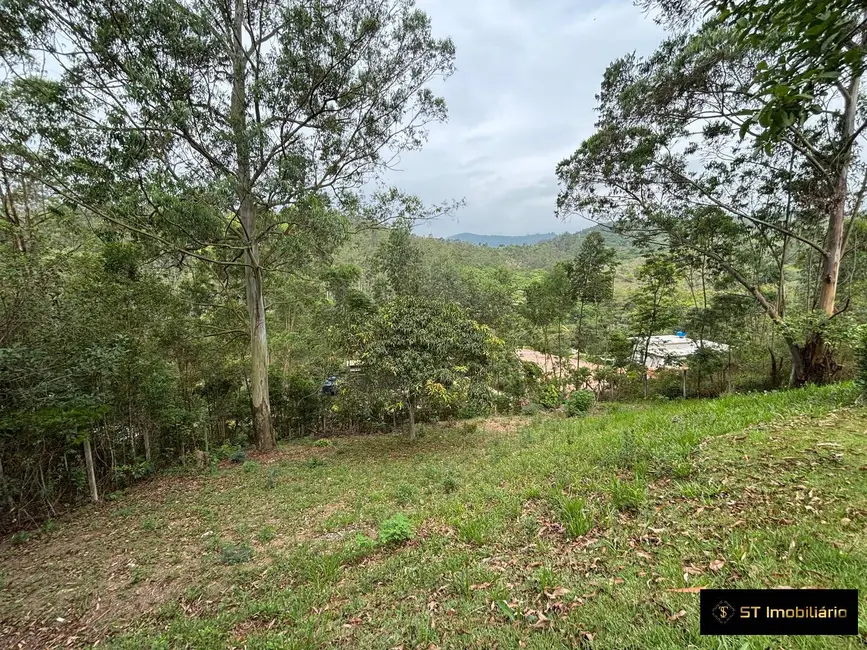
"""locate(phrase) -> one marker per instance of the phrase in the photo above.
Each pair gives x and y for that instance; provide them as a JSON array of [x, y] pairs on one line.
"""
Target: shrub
[[238, 456], [549, 395], [396, 530], [530, 409], [579, 402], [250, 466]]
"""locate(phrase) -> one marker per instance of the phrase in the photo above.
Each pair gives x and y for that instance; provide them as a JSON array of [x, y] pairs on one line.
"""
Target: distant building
[[669, 350]]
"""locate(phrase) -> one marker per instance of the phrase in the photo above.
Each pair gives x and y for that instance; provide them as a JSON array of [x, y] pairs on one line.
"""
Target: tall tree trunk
[[837, 218], [263, 427], [91, 474], [146, 434], [813, 362]]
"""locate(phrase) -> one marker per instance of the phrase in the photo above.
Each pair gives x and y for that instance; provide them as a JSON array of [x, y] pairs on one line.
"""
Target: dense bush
[[549, 395], [579, 402], [396, 530]]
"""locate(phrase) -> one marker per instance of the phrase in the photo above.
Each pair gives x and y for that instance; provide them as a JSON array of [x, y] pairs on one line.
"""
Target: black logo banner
[[779, 611]]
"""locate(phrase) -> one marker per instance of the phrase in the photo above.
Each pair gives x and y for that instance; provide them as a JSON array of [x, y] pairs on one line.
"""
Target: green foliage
[[862, 360], [396, 530], [574, 514], [235, 554], [579, 402], [549, 395], [417, 347], [362, 545], [250, 466], [627, 495], [450, 484]]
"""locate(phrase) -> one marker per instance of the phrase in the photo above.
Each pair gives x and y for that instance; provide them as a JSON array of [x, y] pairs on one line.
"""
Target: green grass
[[549, 533]]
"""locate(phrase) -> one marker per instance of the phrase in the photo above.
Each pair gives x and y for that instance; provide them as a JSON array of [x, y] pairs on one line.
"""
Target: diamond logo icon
[[723, 611]]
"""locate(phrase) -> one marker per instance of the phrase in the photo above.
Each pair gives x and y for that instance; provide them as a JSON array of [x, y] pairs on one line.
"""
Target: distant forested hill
[[447, 255], [501, 240]]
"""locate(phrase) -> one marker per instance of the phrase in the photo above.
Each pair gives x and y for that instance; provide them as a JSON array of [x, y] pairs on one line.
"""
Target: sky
[[521, 100]]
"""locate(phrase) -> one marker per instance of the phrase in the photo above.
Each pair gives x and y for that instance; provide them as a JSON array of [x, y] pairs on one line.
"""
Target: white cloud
[[522, 99]]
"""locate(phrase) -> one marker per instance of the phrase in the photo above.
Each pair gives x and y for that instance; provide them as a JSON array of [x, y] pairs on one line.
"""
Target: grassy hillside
[[543, 533]]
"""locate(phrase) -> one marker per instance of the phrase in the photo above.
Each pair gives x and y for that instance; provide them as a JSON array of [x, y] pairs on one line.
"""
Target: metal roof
[[672, 346]]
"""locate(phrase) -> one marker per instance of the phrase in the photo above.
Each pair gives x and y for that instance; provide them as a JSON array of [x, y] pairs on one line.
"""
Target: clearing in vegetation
[[514, 533]]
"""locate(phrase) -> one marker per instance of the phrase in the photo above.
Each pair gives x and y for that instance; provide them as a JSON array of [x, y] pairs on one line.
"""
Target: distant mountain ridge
[[502, 240]]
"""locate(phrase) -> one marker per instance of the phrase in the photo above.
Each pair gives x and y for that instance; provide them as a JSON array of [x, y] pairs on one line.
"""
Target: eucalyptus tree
[[591, 274], [684, 156], [217, 128]]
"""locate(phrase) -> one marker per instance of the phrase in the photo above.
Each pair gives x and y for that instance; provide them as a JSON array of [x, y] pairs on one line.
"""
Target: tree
[[676, 160], [416, 344], [591, 274], [654, 302], [398, 258], [548, 300], [222, 131]]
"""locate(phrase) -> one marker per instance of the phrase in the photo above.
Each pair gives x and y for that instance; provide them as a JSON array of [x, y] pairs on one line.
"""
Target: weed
[[396, 530], [574, 515], [235, 554], [272, 478], [21, 537], [322, 442], [449, 484], [627, 495], [544, 579], [266, 534], [404, 494], [250, 467], [313, 462], [149, 524], [474, 531]]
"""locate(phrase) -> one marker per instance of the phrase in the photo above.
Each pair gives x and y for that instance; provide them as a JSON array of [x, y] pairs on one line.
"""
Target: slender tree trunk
[[147, 442], [91, 475], [410, 402], [263, 427]]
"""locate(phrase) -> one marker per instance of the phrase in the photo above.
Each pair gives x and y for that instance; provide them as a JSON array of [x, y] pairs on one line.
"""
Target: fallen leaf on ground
[[679, 614], [686, 590]]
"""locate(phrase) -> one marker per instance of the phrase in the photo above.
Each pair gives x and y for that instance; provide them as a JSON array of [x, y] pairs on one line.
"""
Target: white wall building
[[670, 350]]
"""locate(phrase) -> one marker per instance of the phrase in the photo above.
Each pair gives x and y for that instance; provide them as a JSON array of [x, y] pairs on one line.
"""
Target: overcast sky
[[522, 99]]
